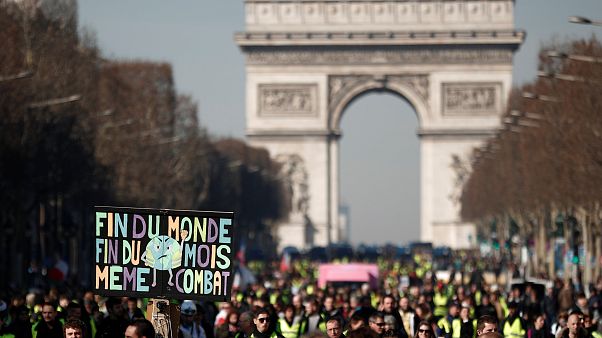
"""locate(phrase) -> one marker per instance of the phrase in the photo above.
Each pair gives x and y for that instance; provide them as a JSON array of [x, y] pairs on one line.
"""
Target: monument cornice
[[403, 38]]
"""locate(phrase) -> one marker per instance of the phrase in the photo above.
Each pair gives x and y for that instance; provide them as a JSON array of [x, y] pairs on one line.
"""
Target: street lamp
[[515, 121], [560, 76], [53, 102], [584, 21], [575, 57], [540, 97], [532, 116]]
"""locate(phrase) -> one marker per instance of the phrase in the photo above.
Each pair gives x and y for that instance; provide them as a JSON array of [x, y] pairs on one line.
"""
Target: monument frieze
[[472, 98], [288, 99], [374, 55]]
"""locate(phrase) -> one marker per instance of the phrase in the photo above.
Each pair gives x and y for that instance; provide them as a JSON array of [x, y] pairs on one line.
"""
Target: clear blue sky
[[196, 37]]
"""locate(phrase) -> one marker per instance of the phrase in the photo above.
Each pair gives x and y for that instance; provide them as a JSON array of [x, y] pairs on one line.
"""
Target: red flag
[[285, 262], [241, 254]]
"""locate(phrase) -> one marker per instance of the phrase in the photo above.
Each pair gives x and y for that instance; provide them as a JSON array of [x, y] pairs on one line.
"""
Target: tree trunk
[[552, 248], [541, 242]]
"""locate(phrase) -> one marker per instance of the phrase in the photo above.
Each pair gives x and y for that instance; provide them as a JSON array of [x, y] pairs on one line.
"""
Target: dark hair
[[362, 332], [389, 296], [73, 306], [246, 316], [431, 333], [49, 304], [375, 315], [75, 324], [337, 319], [486, 319], [144, 328], [112, 302], [261, 310], [356, 317]]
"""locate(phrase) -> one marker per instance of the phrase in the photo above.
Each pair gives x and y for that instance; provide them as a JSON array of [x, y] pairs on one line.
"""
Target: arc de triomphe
[[306, 60]]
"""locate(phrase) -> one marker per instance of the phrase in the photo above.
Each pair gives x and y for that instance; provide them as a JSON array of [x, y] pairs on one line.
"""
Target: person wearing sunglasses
[[425, 330], [262, 325], [376, 322]]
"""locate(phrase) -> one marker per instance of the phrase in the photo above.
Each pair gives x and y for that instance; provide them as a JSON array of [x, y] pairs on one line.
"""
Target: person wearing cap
[[514, 326], [188, 328]]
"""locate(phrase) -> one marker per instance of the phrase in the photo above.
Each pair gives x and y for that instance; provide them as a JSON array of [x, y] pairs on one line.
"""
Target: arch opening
[[379, 168]]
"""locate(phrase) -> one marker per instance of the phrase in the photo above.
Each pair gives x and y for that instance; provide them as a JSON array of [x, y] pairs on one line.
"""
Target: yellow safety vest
[[515, 330], [477, 297], [288, 331], [93, 327], [440, 301], [504, 306], [443, 324], [456, 328], [321, 324]]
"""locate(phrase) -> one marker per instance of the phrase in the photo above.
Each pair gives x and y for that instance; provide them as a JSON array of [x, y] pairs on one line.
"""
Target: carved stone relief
[[461, 169], [317, 56], [288, 99], [340, 85], [294, 174], [472, 98], [419, 83], [373, 12]]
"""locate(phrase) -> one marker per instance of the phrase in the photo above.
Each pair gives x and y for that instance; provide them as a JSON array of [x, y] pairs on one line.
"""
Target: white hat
[[188, 307]]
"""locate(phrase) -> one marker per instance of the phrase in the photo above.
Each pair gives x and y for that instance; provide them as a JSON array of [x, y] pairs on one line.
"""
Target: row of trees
[[541, 175], [80, 130]]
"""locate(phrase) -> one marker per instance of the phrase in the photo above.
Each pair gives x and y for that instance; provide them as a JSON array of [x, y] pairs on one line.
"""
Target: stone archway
[[342, 89], [307, 60]]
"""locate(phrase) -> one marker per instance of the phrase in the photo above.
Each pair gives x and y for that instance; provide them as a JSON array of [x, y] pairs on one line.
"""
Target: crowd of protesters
[[287, 302]]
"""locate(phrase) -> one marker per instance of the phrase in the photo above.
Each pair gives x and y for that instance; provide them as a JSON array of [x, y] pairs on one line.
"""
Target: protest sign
[[163, 253]]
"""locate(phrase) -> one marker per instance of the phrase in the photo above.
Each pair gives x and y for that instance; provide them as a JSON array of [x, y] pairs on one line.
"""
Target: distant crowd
[[287, 302]]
